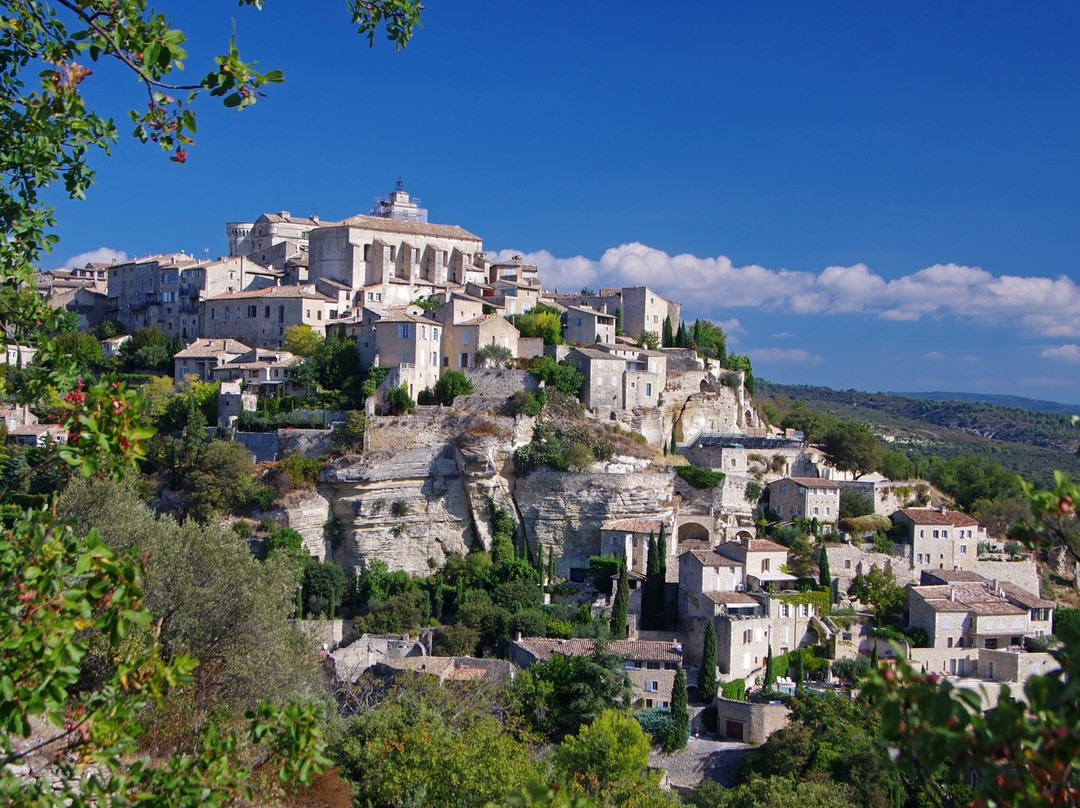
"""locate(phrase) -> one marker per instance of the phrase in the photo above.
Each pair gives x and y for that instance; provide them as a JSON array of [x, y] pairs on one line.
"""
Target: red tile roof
[[934, 516]]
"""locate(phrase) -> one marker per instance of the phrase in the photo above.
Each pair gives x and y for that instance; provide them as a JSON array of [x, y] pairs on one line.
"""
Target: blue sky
[[881, 196]]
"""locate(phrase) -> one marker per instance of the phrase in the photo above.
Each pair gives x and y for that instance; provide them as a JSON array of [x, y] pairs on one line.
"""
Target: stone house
[[408, 340], [644, 377], [288, 233], [641, 308], [807, 497], [965, 616], [650, 664], [461, 340], [939, 538], [582, 325], [202, 356], [603, 387], [629, 539], [16, 415], [260, 368], [259, 317], [38, 434]]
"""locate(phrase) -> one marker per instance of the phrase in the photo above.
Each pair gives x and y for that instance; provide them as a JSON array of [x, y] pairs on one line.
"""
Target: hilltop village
[[606, 456]]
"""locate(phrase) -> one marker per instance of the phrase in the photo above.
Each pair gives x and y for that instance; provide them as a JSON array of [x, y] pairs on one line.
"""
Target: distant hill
[[1013, 402], [1030, 442]]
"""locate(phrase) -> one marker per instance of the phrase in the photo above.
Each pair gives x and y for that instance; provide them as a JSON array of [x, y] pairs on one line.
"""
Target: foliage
[[741, 362], [649, 340], [432, 746], [656, 722], [541, 321], [851, 669], [349, 435], [853, 504], [283, 538], [222, 482], [525, 402], [707, 681], [559, 695], [819, 599], [602, 569], [753, 492], [680, 715], [699, 477], [734, 690], [776, 791], [451, 384], [301, 340], [564, 375], [611, 751], [709, 340], [620, 605], [494, 356], [896, 465], [302, 471], [967, 479], [824, 572], [399, 401], [879, 590], [852, 447], [83, 349], [866, 525], [323, 587]]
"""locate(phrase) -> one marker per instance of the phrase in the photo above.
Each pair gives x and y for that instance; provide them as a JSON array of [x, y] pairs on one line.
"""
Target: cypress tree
[[660, 588], [873, 655], [618, 322], [707, 682], [539, 560], [824, 573], [621, 605], [798, 669], [649, 601], [679, 729], [673, 445], [770, 679], [551, 563], [669, 335]]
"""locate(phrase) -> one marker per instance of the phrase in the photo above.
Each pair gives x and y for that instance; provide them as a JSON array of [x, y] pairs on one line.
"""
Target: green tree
[[621, 604], [563, 375], [668, 334], [707, 681], [679, 730], [283, 538], [618, 322], [301, 340], [323, 587], [349, 435], [494, 356], [84, 349], [897, 466], [399, 401], [776, 792], [610, 751], [853, 504], [541, 321], [879, 590], [769, 680], [222, 482], [973, 477], [852, 447], [648, 339], [824, 573], [451, 384]]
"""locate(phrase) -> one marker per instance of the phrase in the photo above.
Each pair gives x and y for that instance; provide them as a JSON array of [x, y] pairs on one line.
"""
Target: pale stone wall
[[501, 382], [1023, 574], [759, 721]]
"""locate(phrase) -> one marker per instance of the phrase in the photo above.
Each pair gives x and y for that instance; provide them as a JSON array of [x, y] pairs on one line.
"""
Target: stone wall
[[329, 633], [308, 442], [1020, 573], [264, 445], [307, 512], [759, 721], [500, 382]]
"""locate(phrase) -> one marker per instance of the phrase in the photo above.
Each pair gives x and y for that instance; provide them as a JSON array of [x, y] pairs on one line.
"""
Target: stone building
[[259, 317], [261, 369], [461, 340], [602, 389], [393, 259], [582, 325], [202, 356], [940, 539], [629, 539], [411, 342], [806, 497], [640, 308]]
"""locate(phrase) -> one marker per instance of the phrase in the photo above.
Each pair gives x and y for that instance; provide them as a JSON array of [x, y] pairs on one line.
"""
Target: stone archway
[[695, 529]]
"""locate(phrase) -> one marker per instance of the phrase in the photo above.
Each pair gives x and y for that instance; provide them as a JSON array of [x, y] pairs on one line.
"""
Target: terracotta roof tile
[[933, 516]]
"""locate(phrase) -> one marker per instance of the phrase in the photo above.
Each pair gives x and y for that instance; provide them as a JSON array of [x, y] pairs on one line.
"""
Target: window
[[267, 314], [227, 310], [765, 564], [816, 511], [464, 360], [648, 702], [318, 314], [281, 313], [435, 358], [213, 313], [785, 610], [404, 330], [252, 311], [648, 388], [435, 334], [423, 332], [950, 642], [367, 252], [806, 610], [651, 685], [747, 636], [404, 359], [847, 563], [464, 338], [963, 549]]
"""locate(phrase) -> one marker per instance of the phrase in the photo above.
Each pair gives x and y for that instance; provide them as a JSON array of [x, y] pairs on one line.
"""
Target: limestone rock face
[[565, 510], [307, 512]]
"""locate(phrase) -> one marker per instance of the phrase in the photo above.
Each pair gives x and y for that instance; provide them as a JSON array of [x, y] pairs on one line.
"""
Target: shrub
[[263, 498], [301, 471], [579, 457], [452, 384], [399, 508], [699, 477], [283, 538], [399, 401], [753, 491], [602, 568], [734, 690], [851, 669], [656, 722], [527, 403]]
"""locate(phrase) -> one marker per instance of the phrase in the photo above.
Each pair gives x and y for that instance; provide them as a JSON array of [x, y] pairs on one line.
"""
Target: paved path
[[701, 759]]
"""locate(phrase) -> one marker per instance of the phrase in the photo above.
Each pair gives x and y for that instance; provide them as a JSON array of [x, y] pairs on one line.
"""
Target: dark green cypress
[[669, 335], [551, 563], [618, 322], [621, 605], [770, 678], [707, 681], [824, 573], [679, 729]]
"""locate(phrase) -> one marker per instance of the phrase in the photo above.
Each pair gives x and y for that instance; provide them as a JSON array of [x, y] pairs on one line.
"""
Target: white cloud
[[102, 255], [1036, 305], [782, 355], [935, 355], [1067, 353]]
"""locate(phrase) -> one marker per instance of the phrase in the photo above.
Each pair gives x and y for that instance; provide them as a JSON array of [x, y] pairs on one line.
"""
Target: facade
[[629, 539], [259, 368], [602, 390], [806, 497], [583, 325], [203, 356], [412, 343], [259, 317], [38, 434], [269, 234], [463, 339], [940, 539]]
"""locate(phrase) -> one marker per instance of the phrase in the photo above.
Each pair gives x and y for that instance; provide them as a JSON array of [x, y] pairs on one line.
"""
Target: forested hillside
[[1030, 443]]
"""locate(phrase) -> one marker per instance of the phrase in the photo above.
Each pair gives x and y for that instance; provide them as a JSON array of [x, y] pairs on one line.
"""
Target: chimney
[[952, 594]]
